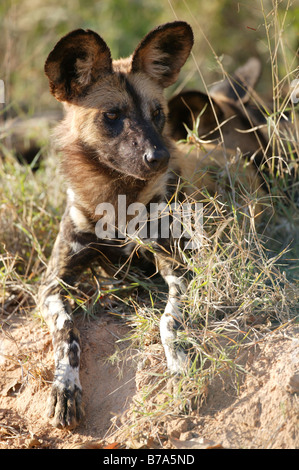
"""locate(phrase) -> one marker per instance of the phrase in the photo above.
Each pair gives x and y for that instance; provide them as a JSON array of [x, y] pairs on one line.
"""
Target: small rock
[[31, 443], [178, 426], [293, 385], [187, 436]]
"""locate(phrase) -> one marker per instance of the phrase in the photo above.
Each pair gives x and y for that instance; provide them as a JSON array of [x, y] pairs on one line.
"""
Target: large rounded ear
[[163, 52], [242, 82], [184, 109], [77, 61]]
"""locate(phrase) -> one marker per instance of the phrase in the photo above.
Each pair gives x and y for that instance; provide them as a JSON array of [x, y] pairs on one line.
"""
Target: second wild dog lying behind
[[115, 143], [229, 113], [233, 112]]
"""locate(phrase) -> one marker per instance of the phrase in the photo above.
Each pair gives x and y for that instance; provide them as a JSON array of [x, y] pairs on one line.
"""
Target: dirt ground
[[264, 414]]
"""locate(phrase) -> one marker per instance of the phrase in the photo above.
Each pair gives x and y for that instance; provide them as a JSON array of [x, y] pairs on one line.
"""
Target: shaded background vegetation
[[239, 285], [226, 31]]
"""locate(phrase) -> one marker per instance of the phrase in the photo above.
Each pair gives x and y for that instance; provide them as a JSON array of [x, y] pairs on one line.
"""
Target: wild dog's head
[[115, 109], [228, 107]]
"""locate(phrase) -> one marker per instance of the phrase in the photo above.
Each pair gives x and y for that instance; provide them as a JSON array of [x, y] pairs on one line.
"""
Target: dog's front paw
[[65, 406], [177, 360]]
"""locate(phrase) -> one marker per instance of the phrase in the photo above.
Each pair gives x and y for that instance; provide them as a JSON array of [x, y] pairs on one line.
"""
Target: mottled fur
[[115, 140], [228, 114]]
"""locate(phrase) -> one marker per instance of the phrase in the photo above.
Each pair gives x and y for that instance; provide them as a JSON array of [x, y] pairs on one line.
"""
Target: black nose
[[157, 159]]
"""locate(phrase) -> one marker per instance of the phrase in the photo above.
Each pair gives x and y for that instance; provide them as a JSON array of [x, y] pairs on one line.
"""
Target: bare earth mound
[[264, 414]]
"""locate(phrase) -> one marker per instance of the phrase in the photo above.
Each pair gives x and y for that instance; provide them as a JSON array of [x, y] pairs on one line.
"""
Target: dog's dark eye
[[157, 114], [111, 116]]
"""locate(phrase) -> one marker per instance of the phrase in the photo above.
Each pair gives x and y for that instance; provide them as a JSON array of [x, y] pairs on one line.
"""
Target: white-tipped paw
[[177, 360], [65, 406]]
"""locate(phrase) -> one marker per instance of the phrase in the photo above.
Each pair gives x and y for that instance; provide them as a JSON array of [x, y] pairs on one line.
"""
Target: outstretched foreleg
[[172, 319], [68, 259]]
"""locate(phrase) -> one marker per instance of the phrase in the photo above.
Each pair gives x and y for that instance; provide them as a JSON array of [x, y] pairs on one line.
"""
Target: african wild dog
[[114, 140], [232, 112], [228, 112]]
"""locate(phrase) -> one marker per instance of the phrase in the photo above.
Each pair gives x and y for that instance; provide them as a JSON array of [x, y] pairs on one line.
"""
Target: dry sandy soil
[[264, 414]]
